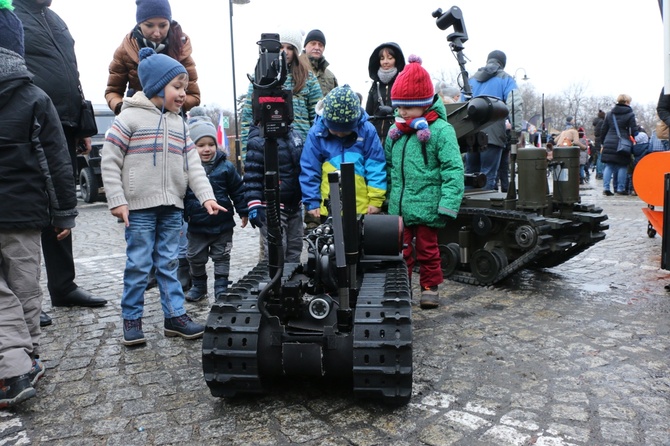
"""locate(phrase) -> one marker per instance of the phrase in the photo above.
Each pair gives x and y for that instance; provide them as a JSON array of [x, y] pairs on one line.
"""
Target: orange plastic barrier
[[648, 179], [655, 219]]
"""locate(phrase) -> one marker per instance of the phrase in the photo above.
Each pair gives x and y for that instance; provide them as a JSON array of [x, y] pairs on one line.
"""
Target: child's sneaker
[[183, 326], [429, 298], [15, 390], [36, 371], [132, 332]]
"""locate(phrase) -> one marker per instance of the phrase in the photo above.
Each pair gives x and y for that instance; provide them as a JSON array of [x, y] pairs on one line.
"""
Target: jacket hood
[[140, 100], [373, 64], [491, 69], [621, 109], [438, 106]]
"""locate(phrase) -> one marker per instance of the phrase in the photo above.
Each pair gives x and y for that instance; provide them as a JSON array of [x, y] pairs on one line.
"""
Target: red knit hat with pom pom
[[413, 86]]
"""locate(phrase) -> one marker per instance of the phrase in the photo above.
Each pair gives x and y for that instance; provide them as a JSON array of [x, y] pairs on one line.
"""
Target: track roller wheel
[[485, 265], [451, 257], [482, 225], [525, 236]]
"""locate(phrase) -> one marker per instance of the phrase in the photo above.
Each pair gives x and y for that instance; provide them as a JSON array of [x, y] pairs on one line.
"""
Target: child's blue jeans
[[152, 239]]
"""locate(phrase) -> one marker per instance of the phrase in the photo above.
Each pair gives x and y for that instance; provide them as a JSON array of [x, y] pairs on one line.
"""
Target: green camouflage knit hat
[[341, 109]]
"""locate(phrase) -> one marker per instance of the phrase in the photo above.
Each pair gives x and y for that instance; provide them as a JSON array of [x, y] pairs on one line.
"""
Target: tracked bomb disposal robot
[[345, 313]]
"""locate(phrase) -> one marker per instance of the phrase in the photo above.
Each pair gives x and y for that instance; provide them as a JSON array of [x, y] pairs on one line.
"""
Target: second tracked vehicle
[[542, 223]]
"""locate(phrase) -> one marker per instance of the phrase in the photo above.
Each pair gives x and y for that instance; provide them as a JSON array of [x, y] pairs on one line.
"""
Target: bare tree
[[645, 116]]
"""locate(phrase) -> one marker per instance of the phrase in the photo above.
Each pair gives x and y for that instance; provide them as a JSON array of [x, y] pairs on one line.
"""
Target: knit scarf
[[386, 76], [416, 125], [144, 42]]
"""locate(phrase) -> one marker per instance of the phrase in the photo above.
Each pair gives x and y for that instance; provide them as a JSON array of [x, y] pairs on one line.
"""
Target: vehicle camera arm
[[445, 20]]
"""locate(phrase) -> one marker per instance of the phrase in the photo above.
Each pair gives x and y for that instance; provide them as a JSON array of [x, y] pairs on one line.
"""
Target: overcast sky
[[610, 47]]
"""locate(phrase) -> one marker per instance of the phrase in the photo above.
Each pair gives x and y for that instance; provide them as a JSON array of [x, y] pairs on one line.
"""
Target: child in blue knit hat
[[342, 134], [148, 161]]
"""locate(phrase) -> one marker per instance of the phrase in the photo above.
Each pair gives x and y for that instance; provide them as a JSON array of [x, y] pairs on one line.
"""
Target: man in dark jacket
[[315, 45], [36, 189], [50, 57]]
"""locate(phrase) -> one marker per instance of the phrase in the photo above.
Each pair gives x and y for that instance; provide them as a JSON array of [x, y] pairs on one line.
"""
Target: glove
[[257, 217]]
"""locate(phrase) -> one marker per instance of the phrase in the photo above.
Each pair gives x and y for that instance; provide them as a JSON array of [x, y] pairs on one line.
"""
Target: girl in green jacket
[[425, 173]]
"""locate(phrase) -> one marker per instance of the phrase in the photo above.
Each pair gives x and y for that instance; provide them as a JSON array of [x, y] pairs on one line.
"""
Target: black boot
[[45, 319], [221, 286], [184, 275], [199, 289]]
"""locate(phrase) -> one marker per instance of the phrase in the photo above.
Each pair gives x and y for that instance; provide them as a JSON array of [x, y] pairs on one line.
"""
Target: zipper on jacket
[[165, 153], [402, 171]]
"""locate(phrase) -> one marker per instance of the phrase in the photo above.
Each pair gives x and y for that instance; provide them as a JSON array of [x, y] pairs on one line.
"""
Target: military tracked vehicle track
[[500, 242]]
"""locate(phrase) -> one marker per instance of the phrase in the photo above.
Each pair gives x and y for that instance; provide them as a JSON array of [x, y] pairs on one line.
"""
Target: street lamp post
[[525, 76], [238, 154]]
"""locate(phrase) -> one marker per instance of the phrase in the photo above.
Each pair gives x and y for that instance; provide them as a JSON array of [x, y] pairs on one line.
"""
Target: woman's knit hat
[[341, 109], [149, 9], [292, 37], [201, 128], [156, 71], [413, 86], [11, 29]]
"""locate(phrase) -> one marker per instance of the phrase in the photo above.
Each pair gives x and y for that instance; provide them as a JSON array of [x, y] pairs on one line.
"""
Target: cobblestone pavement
[[574, 355]]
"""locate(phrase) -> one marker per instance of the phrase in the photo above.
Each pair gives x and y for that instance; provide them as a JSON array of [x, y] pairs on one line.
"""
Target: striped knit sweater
[[148, 159]]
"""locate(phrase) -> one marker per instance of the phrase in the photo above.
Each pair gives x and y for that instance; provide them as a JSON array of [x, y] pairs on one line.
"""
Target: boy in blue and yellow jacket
[[342, 134]]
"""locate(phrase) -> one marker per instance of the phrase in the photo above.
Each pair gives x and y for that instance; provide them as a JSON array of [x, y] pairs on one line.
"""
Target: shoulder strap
[[616, 126]]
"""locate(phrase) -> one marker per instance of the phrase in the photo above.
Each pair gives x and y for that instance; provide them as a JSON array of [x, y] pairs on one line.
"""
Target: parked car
[[90, 176]]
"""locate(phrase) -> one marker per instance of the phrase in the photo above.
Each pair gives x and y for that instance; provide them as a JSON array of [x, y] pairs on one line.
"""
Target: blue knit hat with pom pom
[[11, 29], [341, 109], [413, 86], [156, 71]]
